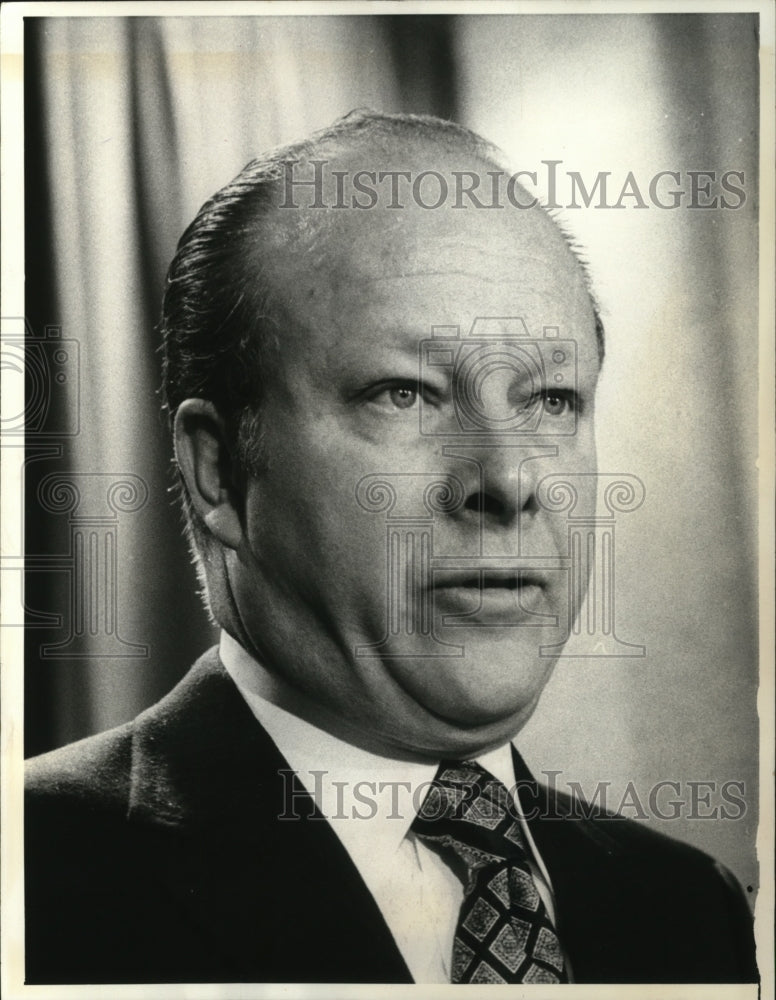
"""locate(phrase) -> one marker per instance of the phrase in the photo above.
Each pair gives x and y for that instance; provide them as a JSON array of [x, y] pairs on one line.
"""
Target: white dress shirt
[[370, 801]]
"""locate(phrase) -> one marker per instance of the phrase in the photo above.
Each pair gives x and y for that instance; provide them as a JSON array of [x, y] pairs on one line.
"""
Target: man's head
[[365, 498]]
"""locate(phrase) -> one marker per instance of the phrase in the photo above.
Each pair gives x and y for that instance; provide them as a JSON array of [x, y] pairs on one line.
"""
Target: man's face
[[399, 569]]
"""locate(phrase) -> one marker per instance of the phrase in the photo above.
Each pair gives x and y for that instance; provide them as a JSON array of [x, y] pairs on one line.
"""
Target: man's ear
[[206, 464]]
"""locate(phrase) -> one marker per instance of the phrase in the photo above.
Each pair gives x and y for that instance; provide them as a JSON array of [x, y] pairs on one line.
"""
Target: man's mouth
[[487, 579], [505, 596]]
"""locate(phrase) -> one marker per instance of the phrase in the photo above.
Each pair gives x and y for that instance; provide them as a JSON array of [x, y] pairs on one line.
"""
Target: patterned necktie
[[504, 934]]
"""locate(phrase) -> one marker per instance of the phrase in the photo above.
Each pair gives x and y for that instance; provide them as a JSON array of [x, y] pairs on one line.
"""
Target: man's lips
[[489, 579], [499, 595]]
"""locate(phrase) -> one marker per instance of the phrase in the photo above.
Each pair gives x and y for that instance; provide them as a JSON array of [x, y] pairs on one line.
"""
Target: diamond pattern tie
[[504, 934]]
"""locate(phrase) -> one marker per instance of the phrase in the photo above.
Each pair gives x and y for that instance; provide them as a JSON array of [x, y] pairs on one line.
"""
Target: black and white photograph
[[387, 454]]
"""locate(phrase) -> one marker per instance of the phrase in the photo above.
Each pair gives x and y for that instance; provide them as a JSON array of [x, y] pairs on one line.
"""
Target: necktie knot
[[471, 812], [462, 785]]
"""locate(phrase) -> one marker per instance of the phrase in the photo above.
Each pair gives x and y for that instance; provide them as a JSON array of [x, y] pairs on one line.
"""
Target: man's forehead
[[323, 252], [371, 306]]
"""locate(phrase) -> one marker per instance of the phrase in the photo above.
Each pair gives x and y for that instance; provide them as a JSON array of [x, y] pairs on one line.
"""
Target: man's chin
[[465, 726], [476, 694], [455, 740]]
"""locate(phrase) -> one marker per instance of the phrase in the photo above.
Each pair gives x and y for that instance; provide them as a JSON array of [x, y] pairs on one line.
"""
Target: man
[[373, 391]]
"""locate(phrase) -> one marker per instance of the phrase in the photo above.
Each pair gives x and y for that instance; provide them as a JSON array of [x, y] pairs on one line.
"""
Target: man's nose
[[501, 485]]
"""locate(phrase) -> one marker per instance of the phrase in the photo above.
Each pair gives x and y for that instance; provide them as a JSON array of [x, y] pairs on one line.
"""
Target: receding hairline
[[363, 131]]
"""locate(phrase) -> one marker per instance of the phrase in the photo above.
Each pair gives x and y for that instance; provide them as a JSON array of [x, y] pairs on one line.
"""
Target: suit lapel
[[274, 899]]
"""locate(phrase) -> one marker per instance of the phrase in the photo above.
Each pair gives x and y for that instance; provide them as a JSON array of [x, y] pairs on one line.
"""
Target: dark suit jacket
[[154, 854]]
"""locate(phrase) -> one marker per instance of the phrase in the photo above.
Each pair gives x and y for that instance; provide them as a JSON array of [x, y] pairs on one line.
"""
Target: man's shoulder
[[656, 894], [93, 772], [96, 773], [640, 846]]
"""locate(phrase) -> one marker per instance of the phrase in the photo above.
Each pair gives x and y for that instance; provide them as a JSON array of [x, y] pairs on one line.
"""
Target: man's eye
[[403, 397], [554, 404]]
